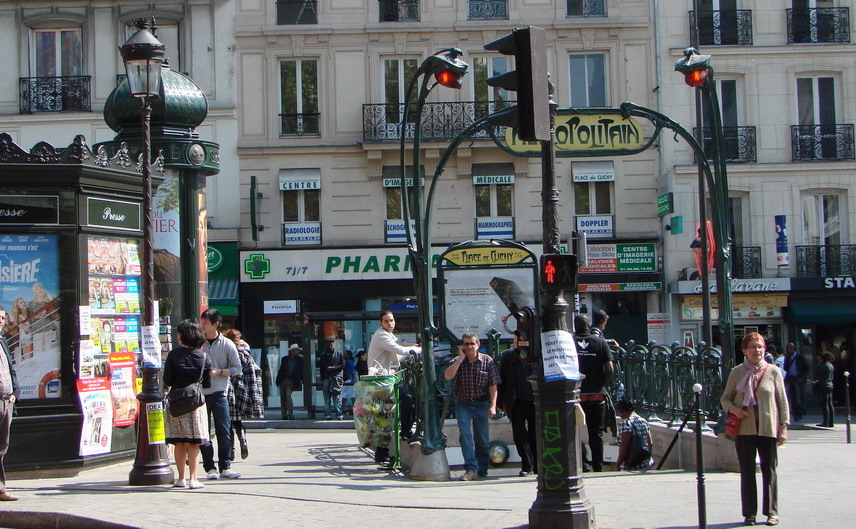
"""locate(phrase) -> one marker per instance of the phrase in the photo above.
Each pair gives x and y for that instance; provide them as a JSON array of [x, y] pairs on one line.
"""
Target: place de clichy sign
[[598, 132]]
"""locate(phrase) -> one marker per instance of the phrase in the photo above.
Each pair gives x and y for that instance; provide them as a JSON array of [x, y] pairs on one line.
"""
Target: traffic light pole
[[561, 500]]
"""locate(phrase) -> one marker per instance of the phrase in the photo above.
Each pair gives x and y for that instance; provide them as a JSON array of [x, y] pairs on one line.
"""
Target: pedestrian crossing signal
[[559, 271]]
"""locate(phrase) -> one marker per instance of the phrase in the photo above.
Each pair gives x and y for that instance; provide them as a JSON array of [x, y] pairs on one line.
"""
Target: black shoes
[[749, 520]]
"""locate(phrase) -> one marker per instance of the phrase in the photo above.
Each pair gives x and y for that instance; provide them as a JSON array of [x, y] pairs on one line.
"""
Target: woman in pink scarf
[[755, 393]]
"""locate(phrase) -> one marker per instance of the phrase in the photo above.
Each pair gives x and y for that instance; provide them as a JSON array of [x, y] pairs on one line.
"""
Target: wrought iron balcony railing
[[289, 12], [399, 10], [822, 142], [586, 8], [55, 94], [739, 143], [488, 10], [746, 263], [818, 25], [826, 261], [724, 27], [440, 121], [299, 124]]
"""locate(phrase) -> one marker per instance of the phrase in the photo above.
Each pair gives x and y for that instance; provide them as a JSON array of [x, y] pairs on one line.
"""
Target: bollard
[[702, 505], [847, 403]]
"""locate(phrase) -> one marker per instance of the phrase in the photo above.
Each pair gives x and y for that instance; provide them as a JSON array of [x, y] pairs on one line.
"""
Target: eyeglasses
[[470, 343]]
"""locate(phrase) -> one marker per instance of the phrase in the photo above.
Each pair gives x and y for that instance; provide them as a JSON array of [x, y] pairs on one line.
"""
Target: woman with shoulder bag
[[755, 394], [185, 366]]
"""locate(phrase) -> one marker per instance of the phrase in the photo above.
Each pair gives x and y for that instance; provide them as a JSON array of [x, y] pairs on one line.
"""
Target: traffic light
[[528, 334], [694, 66], [559, 271], [530, 80]]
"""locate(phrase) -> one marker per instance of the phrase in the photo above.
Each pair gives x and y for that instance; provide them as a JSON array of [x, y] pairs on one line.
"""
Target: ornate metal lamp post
[[143, 55], [448, 70], [698, 73]]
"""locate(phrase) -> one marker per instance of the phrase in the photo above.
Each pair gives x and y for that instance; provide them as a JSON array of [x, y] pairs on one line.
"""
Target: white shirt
[[385, 352]]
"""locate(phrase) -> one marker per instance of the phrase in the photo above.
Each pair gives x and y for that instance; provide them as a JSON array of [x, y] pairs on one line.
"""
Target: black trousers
[[595, 413], [522, 417], [747, 446]]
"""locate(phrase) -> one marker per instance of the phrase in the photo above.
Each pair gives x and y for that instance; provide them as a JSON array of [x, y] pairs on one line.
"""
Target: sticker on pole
[[560, 356], [154, 417]]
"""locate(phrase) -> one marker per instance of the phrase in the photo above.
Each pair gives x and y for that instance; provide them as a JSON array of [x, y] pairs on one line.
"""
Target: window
[[592, 198], [57, 52], [739, 140], [818, 136], [488, 98], [586, 8], [296, 12], [399, 10], [397, 74], [301, 206], [392, 190], [821, 219], [493, 184], [487, 10], [299, 97], [588, 80]]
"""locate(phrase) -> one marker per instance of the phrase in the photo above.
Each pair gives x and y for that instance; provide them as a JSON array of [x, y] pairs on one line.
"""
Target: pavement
[[311, 478]]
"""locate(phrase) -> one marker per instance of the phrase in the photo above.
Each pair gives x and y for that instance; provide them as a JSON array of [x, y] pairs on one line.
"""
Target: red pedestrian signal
[[559, 271]]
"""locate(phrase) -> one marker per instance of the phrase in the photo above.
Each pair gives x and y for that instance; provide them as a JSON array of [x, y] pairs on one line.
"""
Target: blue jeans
[[218, 408], [329, 397], [474, 447]]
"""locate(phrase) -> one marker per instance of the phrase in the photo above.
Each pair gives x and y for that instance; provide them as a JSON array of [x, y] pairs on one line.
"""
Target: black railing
[[826, 261], [822, 142], [299, 124], [739, 143], [746, 263], [399, 10], [818, 25], [724, 27], [55, 94], [586, 8], [440, 121], [289, 12], [487, 10]]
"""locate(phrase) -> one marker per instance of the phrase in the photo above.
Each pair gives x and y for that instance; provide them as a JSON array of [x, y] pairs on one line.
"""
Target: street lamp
[[143, 55], [447, 69]]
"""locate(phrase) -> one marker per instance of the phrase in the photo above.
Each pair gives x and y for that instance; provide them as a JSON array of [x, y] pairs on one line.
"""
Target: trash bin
[[376, 412]]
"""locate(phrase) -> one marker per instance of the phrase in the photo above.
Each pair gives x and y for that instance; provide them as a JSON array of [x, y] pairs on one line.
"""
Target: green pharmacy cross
[[257, 266]]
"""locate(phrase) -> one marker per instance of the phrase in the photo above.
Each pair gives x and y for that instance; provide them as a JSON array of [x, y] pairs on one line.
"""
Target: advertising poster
[[476, 300], [560, 356], [29, 291], [97, 409], [154, 415], [122, 371]]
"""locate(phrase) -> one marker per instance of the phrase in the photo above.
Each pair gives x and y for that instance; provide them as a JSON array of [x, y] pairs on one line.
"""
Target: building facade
[[784, 73]]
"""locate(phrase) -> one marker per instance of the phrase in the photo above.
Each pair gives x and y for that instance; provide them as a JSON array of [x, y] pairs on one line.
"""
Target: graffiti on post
[[551, 449]]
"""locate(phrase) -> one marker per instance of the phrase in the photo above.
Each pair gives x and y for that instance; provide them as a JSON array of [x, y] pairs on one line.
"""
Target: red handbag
[[732, 426]]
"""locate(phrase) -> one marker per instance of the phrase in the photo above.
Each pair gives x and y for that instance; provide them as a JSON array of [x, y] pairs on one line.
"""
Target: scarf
[[746, 386]]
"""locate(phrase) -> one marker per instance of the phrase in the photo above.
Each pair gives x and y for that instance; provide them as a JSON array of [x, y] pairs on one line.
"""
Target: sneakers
[[213, 474], [340, 418], [468, 476], [196, 485], [228, 473], [180, 484]]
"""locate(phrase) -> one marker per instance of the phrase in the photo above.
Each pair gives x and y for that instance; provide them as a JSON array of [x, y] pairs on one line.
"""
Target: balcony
[[826, 261], [299, 124], [440, 121], [586, 8], [746, 262], [54, 94], [487, 10], [724, 27], [399, 10], [290, 12], [822, 142], [818, 25], [739, 143]]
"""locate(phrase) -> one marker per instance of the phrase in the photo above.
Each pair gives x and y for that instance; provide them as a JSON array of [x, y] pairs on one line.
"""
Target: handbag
[[185, 400], [732, 422], [336, 384]]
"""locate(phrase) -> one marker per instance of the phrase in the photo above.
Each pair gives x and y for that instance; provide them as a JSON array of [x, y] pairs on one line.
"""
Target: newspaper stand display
[[376, 412]]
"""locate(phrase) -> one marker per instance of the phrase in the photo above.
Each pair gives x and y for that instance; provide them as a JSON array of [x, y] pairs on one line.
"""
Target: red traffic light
[[448, 78], [559, 271], [696, 77]]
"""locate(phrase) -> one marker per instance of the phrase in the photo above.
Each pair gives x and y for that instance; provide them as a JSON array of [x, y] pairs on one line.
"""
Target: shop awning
[[829, 310], [223, 291]]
